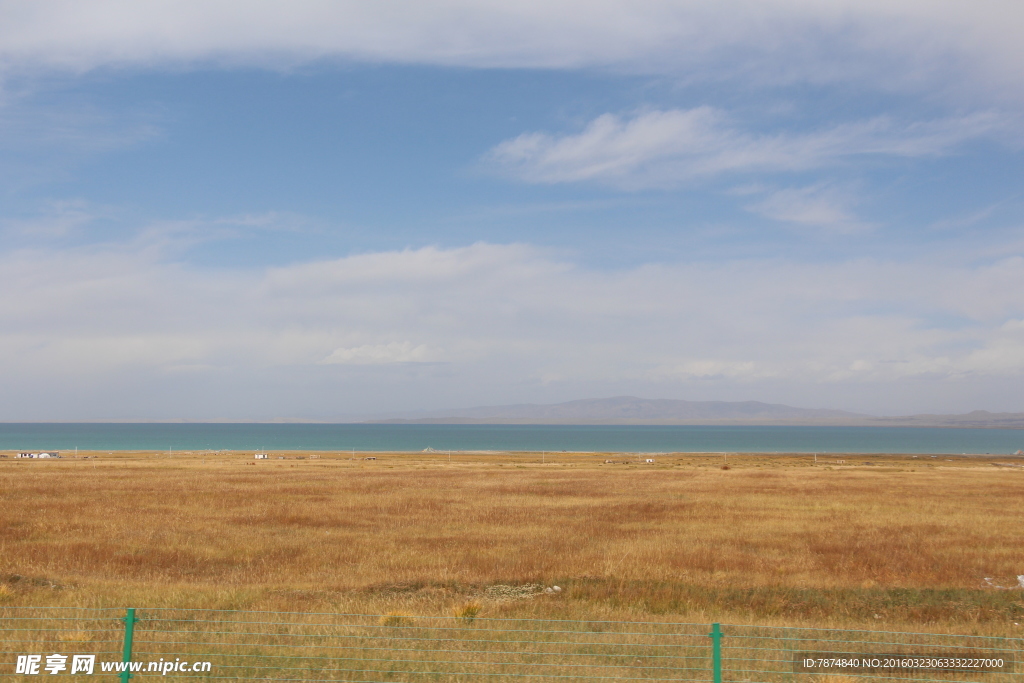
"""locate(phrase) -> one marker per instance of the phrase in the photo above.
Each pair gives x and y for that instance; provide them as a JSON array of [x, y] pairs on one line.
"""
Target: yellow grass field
[[876, 541]]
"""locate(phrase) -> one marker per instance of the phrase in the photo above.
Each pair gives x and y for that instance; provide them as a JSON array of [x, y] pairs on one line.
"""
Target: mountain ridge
[[634, 410]]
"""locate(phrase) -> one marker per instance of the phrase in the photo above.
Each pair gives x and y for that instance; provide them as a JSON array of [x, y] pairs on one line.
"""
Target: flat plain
[[880, 541]]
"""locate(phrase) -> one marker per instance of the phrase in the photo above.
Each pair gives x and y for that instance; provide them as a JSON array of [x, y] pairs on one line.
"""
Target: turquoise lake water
[[377, 437]]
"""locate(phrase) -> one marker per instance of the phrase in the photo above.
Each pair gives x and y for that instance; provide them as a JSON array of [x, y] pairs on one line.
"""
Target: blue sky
[[327, 209]]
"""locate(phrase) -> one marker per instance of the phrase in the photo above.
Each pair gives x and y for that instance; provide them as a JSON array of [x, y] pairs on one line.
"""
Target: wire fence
[[177, 644]]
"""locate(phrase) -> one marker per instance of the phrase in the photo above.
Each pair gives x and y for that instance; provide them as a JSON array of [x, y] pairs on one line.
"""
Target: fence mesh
[[374, 649], [55, 630], [278, 646]]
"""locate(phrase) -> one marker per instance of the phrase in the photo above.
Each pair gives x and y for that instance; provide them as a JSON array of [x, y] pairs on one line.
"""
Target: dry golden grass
[[899, 541]]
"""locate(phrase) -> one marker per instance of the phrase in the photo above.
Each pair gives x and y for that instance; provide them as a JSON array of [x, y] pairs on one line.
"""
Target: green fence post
[[129, 631], [716, 652]]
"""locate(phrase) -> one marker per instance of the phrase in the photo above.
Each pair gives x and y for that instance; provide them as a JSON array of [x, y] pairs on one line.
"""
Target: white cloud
[[116, 332], [711, 369], [1003, 351], [666, 148], [818, 206], [893, 44], [378, 354]]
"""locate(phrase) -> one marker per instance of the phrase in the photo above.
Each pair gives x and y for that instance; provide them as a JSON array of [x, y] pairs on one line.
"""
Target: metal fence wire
[[171, 644], [54, 630]]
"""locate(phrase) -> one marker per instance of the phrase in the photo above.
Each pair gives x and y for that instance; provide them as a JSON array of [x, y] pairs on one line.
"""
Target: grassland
[[877, 541]]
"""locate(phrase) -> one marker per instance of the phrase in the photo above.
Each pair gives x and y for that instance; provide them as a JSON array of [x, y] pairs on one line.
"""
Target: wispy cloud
[[817, 206], [666, 148], [26, 123], [59, 219], [41, 139]]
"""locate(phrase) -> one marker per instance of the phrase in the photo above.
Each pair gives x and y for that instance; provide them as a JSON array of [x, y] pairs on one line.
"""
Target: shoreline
[[627, 457]]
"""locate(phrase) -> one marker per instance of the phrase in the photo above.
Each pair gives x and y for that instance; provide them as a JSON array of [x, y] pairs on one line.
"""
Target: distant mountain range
[[632, 410]]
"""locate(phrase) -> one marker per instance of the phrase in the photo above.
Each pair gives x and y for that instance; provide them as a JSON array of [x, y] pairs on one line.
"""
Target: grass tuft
[[396, 619], [467, 612]]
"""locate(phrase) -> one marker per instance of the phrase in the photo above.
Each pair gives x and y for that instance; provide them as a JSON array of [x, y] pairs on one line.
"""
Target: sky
[[325, 210]]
